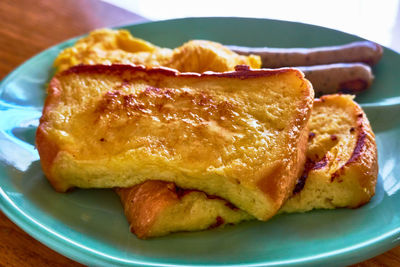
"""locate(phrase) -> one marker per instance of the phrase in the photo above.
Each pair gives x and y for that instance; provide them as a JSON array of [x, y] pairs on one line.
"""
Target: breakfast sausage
[[340, 77], [361, 51]]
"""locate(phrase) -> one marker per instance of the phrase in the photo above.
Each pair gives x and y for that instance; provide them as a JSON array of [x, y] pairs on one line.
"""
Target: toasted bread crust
[[49, 149], [144, 202], [240, 72]]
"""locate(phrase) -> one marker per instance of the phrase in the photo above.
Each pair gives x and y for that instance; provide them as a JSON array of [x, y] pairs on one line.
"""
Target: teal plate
[[89, 226]]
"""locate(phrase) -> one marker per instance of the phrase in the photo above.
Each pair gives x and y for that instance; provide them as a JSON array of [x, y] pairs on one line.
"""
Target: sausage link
[[362, 51], [338, 78]]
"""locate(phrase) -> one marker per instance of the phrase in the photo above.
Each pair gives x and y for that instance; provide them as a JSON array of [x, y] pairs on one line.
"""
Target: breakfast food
[[106, 46], [188, 152], [348, 78], [341, 171], [342, 164], [361, 51], [157, 208], [238, 135], [119, 46]]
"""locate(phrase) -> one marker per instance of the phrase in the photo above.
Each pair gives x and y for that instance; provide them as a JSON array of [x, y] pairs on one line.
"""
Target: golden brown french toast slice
[[342, 159], [341, 171], [238, 135], [156, 208]]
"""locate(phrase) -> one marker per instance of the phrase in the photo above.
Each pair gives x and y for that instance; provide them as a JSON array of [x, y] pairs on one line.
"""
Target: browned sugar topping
[[218, 222], [180, 192], [241, 71], [357, 149], [310, 165], [155, 100]]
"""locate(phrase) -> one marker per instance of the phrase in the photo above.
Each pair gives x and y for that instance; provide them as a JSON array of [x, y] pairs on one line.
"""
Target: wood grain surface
[[28, 27]]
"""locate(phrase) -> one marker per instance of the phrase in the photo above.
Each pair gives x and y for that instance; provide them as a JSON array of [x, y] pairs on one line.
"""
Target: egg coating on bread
[[238, 135]]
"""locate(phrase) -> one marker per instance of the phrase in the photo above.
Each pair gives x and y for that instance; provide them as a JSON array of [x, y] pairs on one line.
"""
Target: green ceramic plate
[[89, 225]]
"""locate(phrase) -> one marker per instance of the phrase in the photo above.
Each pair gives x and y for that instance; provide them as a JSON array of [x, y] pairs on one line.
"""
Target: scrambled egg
[[107, 46]]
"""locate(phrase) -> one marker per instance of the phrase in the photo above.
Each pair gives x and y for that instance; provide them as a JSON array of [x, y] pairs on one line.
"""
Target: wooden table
[[28, 27]]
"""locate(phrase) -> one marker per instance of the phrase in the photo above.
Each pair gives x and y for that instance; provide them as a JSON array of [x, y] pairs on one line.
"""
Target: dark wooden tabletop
[[28, 27]]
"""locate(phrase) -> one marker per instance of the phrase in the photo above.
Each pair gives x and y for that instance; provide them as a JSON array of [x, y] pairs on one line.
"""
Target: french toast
[[341, 171], [156, 208], [342, 160], [105, 46], [239, 135]]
